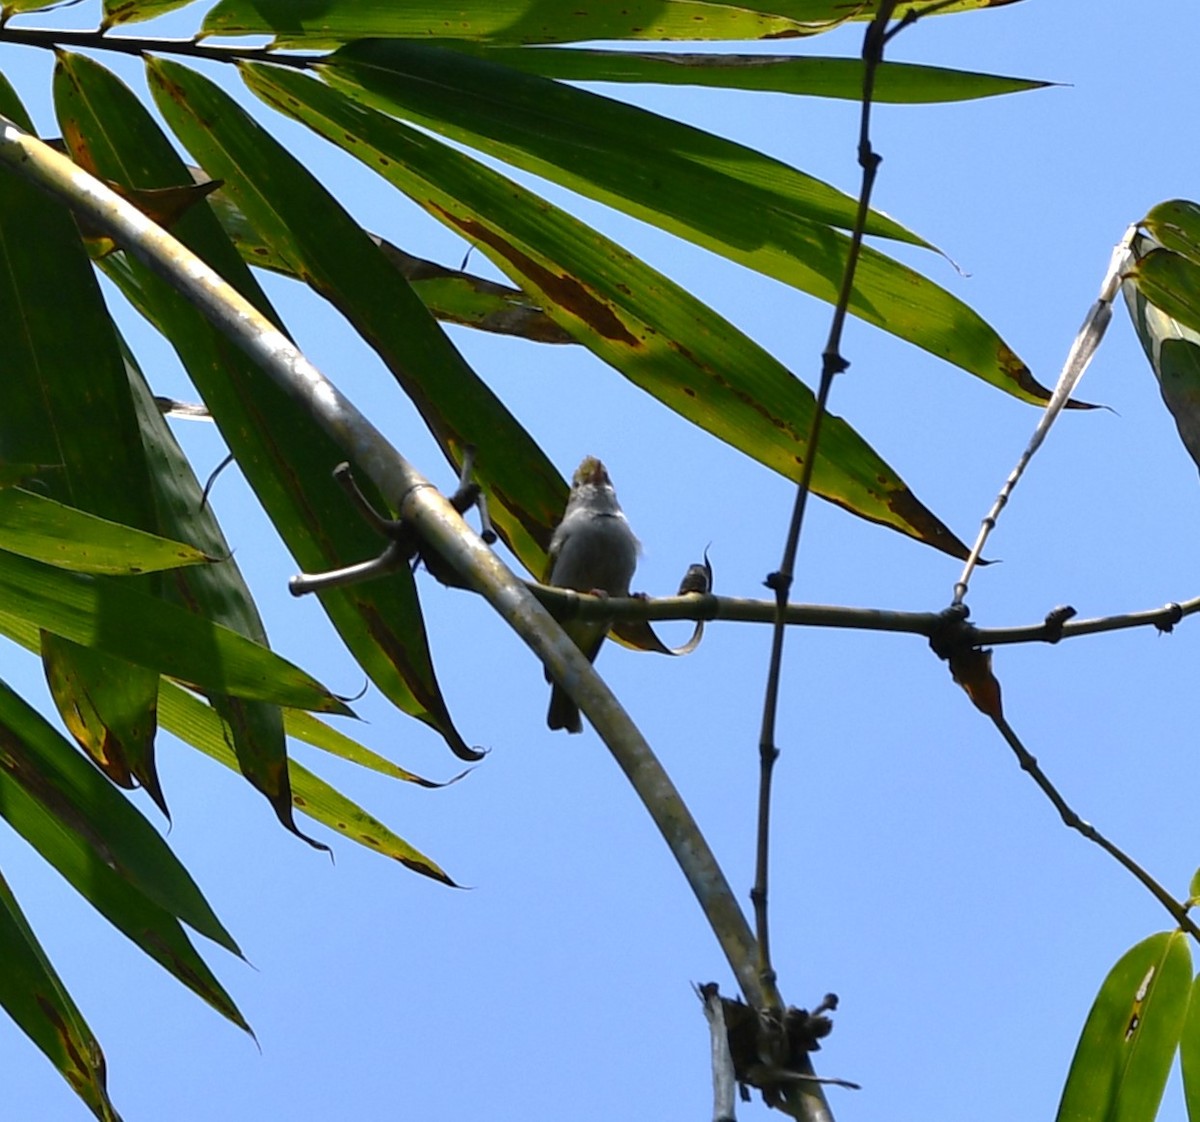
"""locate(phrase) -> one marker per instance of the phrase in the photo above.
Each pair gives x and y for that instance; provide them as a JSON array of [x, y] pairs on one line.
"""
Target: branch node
[[1173, 615], [1055, 618], [778, 582]]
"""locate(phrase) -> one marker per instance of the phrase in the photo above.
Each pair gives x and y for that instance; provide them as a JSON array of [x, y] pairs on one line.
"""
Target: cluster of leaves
[[136, 629]]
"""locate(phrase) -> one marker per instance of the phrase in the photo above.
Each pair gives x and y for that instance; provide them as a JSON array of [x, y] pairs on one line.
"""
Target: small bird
[[592, 550]]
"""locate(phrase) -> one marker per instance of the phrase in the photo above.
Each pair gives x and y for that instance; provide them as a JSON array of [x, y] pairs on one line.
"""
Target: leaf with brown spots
[[650, 329], [33, 995]]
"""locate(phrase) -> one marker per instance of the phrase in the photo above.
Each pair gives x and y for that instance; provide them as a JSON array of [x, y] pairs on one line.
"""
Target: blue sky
[[918, 873]]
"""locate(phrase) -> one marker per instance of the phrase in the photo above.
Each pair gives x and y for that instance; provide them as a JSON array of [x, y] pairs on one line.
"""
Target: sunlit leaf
[[1128, 1042], [75, 844], [1171, 283], [82, 803], [649, 328], [898, 82], [191, 720], [1175, 225], [1174, 353], [1189, 1046], [510, 21], [287, 458], [38, 527], [104, 613], [131, 11], [731, 200]]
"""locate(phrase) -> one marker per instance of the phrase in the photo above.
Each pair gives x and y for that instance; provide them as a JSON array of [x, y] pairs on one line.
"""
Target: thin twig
[[1029, 764], [569, 605], [50, 38], [832, 364]]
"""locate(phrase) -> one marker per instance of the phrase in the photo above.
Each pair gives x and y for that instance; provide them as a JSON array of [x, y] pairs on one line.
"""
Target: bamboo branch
[[418, 502]]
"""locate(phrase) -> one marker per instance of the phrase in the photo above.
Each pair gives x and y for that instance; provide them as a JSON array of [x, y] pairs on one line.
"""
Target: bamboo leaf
[[38, 763], [286, 457], [512, 21], [38, 527], [451, 295], [728, 199], [1171, 283], [34, 996], [100, 612], [131, 11], [1128, 1042], [650, 329], [191, 720], [1173, 350], [1175, 225], [617, 153], [326, 247], [1189, 1049], [67, 403], [900, 83], [82, 860]]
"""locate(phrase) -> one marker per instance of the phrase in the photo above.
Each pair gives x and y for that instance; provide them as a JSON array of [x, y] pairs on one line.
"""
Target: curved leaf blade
[[286, 457], [606, 149], [193, 721], [35, 526], [80, 860], [1189, 1051], [1128, 1042], [513, 21], [67, 403], [34, 996], [1173, 350], [900, 83], [85, 805], [730, 200], [650, 329], [296, 214], [99, 612]]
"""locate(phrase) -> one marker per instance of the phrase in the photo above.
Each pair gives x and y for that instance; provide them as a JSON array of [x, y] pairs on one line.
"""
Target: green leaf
[[294, 212], [451, 295], [109, 707], [35, 526], [1189, 1044], [80, 853], [33, 995], [131, 11], [650, 329], [1171, 283], [895, 82], [83, 804], [1175, 225], [312, 730], [67, 403], [100, 612], [1174, 353], [731, 200], [511, 21], [191, 720], [286, 457], [642, 162], [1129, 1039], [219, 594]]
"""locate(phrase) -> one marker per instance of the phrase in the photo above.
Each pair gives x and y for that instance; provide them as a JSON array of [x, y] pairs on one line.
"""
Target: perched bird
[[592, 550]]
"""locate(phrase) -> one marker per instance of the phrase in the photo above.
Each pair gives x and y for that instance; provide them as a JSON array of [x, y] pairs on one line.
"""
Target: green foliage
[[114, 571]]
